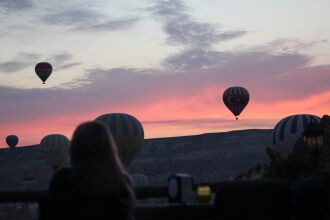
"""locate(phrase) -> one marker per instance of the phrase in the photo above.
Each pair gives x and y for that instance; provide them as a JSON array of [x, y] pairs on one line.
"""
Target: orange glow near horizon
[[176, 117]]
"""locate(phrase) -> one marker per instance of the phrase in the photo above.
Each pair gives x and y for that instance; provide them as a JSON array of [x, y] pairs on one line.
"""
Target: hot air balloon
[[236, 99], [54, 148], [43, 70], [12, 140], [139, 179], [127, 132], [288, 130]]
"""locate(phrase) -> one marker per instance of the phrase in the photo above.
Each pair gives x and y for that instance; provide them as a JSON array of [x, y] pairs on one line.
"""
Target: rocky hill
[[209, 157]]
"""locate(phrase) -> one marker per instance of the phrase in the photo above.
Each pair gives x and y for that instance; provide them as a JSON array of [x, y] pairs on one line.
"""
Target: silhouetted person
[[96, 186]]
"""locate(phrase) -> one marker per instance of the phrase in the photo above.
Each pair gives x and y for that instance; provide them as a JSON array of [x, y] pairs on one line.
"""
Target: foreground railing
[[233, 200]]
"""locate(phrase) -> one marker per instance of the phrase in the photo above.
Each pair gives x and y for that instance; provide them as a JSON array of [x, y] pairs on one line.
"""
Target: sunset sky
[[165, 62]]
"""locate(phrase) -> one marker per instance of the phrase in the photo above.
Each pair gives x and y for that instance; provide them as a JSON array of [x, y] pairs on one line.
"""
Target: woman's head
[[92, 140], [95, 162]]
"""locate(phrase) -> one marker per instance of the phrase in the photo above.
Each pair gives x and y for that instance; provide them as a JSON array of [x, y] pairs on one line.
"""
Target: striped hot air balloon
[[236, 99], [127, 132], [54, 148], [43, 71], [12, 141], [288, 130]]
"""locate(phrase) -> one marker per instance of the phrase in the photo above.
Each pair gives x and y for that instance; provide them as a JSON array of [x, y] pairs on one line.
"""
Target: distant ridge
[[174, 137], [214, 133], [209, 157]]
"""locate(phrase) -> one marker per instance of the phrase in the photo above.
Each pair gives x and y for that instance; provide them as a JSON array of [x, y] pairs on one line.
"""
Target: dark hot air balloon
[[12, 140], [288, 130], [54, 148], [127, 132], [43, 70], [236, 99]]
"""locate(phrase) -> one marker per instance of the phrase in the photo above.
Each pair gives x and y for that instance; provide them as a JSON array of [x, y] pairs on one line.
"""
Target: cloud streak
[[195, 60], [63, 60], [113, 25], [182, 29], [13, 66], [20, 62], [196, 37], [15, 5], [72, 18], [88, 20], [60, 61]]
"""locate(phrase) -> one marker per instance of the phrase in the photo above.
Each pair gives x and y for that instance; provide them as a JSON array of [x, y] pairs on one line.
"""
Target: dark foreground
[[232, 200]]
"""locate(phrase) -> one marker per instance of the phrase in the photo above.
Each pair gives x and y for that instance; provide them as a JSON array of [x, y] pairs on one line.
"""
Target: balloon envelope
[[54, 148], [43, 70], [127, 132], [288, 130], [12, 140], [236, 99]]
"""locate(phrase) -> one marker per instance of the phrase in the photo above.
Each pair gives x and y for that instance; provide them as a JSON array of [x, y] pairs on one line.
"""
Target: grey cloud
[[168, 8], [188, 32], [73, 18], [20, 62], [88, 20], [268, 77], [15, 5], [61, 57], [28, 56], [259, 69], [195, 59], [260, 62], [182, 29], [13, 66], [110, 25], [69, 65], [261, 65], [62, 60]]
